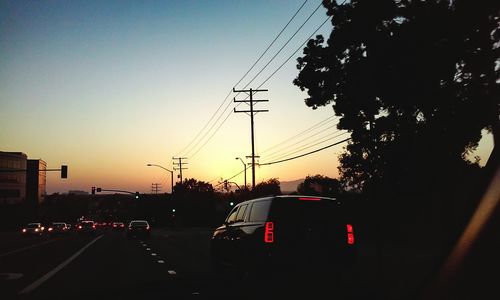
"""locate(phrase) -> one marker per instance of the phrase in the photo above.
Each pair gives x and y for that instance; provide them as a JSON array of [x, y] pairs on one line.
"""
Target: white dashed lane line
[[161, 261]]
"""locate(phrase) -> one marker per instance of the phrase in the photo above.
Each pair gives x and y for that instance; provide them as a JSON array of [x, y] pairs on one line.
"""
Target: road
[[171, 264]]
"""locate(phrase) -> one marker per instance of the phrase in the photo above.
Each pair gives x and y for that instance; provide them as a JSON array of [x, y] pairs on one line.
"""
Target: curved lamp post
[[171, 176]]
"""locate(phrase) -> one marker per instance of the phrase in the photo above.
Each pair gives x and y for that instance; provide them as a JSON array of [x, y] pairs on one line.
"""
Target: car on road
[[33, 229], [285, 233], [86, 227], [118, 226], [138, 228], [58, 228]]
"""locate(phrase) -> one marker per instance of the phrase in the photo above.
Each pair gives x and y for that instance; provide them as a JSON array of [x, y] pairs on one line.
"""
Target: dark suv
[[285, 233]]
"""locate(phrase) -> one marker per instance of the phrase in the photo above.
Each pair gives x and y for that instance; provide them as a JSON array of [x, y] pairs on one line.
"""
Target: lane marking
[[47, 276], [26, 248], [153, 254], [161, 261], [148, 249], [172, 272]]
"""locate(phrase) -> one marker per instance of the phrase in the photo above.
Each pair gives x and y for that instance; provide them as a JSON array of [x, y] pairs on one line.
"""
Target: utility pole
[[252, 112], [155, 187], [179, 165]]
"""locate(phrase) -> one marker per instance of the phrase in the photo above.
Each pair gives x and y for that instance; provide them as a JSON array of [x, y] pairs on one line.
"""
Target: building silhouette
[[22, 187]]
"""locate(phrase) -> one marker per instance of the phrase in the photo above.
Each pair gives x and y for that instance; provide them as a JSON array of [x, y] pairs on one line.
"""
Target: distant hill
[[288, 187]]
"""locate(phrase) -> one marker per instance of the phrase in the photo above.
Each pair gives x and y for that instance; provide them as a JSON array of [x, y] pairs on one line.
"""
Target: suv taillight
[[350, 234], [269, 232]]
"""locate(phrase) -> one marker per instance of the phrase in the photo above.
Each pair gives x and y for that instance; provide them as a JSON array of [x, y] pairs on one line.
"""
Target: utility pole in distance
[[155, 188], [252, 112], [179, 165]]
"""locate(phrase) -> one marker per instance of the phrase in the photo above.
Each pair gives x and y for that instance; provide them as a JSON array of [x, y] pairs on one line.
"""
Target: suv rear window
[[259, 211], [292, 210]]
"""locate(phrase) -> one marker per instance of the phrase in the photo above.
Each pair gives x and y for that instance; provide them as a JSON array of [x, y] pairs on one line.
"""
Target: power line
[[300, 47], [251, 68], [204, 127], [272, 43], [277, 152], [305, 154], [260, 85], [312, 145], [313, 127], [288, 159], [282, 47]]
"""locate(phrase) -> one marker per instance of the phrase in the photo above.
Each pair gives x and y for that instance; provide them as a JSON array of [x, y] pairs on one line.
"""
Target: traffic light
[[231, 203], [64, 171], [136, 195]]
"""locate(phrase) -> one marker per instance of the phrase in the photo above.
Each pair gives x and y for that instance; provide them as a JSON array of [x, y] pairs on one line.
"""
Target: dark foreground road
[[171, 264]]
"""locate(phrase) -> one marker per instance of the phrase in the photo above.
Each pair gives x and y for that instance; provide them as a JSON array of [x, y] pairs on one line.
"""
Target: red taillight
[[50, 229], [350, 234], [147, 227], [24, 230], [269, 232], [309, 199], [79, 226]]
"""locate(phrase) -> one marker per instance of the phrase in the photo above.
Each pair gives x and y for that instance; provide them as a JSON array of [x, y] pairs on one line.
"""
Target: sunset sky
[[107, 87]]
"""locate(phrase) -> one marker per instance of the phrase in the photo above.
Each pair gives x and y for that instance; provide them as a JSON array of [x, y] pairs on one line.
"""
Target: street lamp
[[171, 175], [245, 169]]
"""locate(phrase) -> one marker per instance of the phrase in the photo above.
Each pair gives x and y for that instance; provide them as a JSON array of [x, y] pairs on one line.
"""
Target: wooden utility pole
[[251, 112], [179, 165]]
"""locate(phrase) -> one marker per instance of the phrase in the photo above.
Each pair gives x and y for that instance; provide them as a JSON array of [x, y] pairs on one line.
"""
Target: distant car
[[87, 227], [58, 228], [138, 228], [33, 229], [297, 233], [118, 226]]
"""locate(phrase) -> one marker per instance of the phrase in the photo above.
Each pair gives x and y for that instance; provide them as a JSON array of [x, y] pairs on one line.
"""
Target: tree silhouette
[[414, 82], [270, 187], [320, 185]]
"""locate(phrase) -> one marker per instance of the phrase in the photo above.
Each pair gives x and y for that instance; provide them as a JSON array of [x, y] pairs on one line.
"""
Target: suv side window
[[232, 215], [259, 211], [241, 213]]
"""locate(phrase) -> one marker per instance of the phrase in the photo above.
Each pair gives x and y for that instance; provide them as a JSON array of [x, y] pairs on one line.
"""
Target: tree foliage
[[270, 187], [320, 185], [192, 185], [414, 82]]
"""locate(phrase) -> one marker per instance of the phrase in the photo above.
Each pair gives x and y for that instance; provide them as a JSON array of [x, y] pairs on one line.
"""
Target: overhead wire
[[282, 47], [313, 127], [251, 68], [261, 70], [305, 154], [312, 144], [277, 152]]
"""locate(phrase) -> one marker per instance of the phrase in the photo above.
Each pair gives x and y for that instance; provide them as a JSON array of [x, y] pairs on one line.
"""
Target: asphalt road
[[171, 264]]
